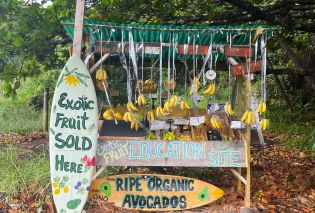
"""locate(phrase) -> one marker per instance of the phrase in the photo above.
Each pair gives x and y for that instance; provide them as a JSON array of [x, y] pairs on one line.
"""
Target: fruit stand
[[162, 123]]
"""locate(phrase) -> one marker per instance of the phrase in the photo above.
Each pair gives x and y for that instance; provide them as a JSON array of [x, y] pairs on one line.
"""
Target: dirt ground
[[283, 180]]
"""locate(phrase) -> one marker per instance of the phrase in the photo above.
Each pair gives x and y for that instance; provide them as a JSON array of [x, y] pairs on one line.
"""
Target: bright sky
[[40, 1]]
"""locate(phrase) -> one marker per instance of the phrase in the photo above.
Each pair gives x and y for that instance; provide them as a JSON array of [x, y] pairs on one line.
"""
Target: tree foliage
[[32, 39]]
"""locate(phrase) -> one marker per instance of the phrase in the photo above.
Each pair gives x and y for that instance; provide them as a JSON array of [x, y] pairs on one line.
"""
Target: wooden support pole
[[78, 27], [247, 143], [45, 110], [239, 110]]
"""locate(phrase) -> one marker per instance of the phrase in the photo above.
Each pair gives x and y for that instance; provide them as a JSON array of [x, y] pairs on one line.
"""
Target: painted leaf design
[[91, 128], [203, 195], [73, 204], [60, 80], [81, 81], [82, 75], [72, 71], [52, 131]]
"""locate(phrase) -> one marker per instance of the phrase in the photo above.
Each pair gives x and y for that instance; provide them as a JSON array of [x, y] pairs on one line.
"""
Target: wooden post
[[45, 110], [239, 111], [78, 27], [247, 143]]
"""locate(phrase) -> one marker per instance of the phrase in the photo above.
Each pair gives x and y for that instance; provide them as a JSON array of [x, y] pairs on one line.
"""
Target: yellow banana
[[167, 107], [210, 90], [118, 116], [152, 117], [264, 124], [132, 106], [229, 108], [264, 107], [144, 100], [132, 118], [108, 115], [245, 115], [253, 117], [159, 112], [187, 105], [173, 101], [140, 100], [197, 83], [249, 118], [182, 105], [129, 108], [99, 75], [132, 125], [259, 107], [125, 118]]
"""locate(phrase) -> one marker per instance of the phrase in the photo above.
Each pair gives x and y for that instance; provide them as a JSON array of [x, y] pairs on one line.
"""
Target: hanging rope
[[161, 68], [124, 64], [169, 66], [230, 45], [103, 83], [174, 68]]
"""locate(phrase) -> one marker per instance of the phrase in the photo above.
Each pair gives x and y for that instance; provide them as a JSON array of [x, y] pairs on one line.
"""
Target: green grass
[[16, 117], [297, 127], [17, 174]]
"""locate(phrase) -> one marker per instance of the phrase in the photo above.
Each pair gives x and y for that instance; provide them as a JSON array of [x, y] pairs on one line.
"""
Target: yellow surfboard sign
[[149, 192]]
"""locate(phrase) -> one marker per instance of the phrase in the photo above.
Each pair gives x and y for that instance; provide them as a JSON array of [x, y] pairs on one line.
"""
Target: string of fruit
[[264, 123], [130, 117]]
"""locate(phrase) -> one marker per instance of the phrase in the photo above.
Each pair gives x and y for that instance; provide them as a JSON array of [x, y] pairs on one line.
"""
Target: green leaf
[[18, 41]]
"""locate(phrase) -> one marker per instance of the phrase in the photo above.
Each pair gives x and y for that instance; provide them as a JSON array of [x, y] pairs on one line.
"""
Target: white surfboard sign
[[73, 136]]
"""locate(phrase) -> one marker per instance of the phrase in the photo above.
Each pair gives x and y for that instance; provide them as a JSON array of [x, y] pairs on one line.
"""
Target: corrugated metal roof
[[198, 35]]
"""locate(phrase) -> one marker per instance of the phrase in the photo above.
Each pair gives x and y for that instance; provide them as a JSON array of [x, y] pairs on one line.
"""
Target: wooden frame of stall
[[77, 41]]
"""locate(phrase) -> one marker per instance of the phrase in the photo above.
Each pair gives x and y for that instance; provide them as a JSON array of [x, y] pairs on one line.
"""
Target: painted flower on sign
[[88, 162], [60, 184], [72, 77], [82, 186], [71, 80]]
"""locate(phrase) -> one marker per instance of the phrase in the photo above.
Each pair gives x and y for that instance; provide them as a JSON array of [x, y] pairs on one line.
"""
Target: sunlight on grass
[[17, 174], [18, 118]]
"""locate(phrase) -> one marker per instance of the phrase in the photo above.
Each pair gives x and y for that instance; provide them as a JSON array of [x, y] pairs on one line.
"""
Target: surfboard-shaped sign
[[148, 192], [73, 136]]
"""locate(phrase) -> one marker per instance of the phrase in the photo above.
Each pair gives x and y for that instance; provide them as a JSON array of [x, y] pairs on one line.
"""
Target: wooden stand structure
[[211, 145]]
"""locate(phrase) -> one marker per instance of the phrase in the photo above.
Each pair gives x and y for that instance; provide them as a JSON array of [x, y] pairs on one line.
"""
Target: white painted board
[[73, 136]]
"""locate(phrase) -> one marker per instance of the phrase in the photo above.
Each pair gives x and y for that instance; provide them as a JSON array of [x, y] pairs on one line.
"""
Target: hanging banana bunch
[[159, 111], [129, 117], [131, 107], [101, 75], [264, 124], [167, 107], [110, 114], [215, 123], [210, 90], [184, 105], [173, 101], [197, 83], [142, 101], [261, 107], [228, 109], [150, 116], [248, 117]]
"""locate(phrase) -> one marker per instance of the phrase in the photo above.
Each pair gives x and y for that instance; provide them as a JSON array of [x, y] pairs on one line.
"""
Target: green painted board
[[73, 136], [150, 192]]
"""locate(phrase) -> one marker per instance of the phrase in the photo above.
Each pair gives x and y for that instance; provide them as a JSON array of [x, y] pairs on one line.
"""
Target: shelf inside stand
[[122, 129]]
